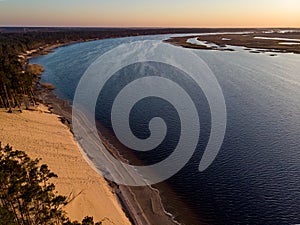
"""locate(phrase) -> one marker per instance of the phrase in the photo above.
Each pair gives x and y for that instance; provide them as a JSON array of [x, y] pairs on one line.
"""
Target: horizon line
[[149, 27]]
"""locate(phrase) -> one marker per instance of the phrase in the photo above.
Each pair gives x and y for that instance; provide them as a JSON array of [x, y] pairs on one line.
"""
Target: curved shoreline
[[135, 200]]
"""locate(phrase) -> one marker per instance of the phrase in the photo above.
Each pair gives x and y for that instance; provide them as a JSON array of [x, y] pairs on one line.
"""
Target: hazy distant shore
[[256, 41]]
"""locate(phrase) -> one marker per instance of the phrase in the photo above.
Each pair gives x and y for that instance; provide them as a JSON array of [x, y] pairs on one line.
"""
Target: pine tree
[[26, 194]]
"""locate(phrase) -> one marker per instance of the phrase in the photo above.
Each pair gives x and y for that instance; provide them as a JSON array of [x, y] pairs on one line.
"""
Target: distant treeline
[[16, 81], [22, 39]]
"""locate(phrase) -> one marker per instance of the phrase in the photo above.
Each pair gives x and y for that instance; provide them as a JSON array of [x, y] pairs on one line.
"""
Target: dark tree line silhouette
[[27, 196]]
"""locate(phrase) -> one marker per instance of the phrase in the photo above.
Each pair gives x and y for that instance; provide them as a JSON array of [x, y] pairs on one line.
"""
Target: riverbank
[[40, 133], [143, 205]]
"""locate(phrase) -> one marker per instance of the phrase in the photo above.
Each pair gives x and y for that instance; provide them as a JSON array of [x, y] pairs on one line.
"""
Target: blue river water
[[255, 178]]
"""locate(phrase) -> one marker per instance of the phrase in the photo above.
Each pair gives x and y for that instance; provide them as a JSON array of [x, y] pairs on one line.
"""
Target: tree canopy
[[26, 194]]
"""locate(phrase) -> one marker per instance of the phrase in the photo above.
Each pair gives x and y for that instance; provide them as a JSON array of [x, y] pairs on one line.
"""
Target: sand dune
[[42, 135]]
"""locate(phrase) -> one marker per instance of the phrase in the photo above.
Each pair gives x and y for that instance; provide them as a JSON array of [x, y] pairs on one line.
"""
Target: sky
[[151, 13]]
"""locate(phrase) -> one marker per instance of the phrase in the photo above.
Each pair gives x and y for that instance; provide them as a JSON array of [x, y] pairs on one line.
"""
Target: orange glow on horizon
[[275, 13]]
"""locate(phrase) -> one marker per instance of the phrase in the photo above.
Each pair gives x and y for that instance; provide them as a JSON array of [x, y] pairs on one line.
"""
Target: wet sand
[[143, 205]]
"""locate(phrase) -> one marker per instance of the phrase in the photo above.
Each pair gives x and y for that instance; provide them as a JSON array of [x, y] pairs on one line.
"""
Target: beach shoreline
[[143, 205], [140, 205]]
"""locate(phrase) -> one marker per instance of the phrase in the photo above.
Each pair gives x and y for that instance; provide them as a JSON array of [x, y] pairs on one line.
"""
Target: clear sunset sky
[[151, 13]]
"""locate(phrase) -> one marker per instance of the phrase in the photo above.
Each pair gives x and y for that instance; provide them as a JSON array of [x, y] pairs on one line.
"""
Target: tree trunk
[[7, 98], [2, 102]]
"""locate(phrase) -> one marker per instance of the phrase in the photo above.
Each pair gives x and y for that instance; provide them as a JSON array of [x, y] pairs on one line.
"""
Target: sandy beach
[[42, 135], [142, 204]]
